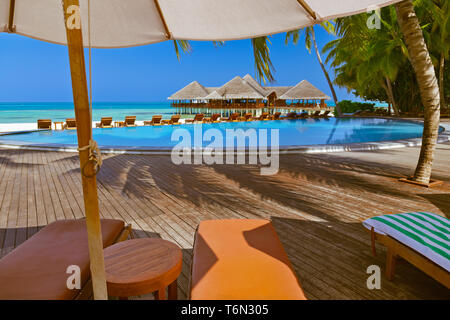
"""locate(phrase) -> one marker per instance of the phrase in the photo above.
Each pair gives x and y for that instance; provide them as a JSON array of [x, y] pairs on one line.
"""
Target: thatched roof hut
[[238, 88], [192, 91], [304, 90], [248, 88]]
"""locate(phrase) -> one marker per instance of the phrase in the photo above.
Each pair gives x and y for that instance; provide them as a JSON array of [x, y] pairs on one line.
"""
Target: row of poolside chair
[[304, 115], [157, 120], [47, 124], [71, 123], [130, 121]]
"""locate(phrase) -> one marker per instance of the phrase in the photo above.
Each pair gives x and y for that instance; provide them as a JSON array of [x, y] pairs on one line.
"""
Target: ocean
[[29, 112]]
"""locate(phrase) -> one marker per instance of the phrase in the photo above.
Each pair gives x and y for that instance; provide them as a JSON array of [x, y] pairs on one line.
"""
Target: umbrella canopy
[[118, 23]]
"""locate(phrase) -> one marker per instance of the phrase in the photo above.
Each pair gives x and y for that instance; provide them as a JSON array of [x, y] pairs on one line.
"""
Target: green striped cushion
[[426, 233]]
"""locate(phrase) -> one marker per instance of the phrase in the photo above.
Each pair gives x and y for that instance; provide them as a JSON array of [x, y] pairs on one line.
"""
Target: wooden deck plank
[[316, 202]]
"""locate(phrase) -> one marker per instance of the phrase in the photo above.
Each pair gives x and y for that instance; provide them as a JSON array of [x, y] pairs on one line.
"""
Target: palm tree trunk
[[441, 80], [325, 72], [428, 86], [391, 96]]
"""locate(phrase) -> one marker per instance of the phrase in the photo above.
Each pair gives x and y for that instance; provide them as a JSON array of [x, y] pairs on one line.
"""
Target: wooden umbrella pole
[[84, 128]]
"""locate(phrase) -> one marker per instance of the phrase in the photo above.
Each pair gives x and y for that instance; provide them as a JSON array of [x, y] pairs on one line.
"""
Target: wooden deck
[[316, 202]]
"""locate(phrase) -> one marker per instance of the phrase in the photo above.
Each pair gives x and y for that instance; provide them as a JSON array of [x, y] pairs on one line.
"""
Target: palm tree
[[428, 86], [440, 37], [310, 39], [367, 60]]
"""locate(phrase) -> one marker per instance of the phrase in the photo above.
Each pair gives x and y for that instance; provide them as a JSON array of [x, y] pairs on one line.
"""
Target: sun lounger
[[248, 117], [420, 238], [175, 119], [130, 121], [275, 116], [44, 124], [316, 114], [156, 121], [233, 117], [291, 115], [106, 122], [263, 116], [241, 260], [303, 115], [37, 268], [215, 118], [71, 124], [325, 114], [198, 118]]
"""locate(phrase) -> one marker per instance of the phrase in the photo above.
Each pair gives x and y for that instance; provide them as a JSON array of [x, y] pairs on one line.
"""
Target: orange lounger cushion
[[241, 260], [37, 268]]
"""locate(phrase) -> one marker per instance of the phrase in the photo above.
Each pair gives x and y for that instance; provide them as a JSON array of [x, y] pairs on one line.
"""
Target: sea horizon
[[29, 112]]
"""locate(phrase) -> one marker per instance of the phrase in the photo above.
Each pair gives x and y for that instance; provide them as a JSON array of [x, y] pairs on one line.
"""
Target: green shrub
[[348, 106]]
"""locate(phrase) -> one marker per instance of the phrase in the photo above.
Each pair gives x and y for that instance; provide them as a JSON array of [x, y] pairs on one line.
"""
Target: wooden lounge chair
[[248, 117], [325, 114], [416, 237], [130, 121], [316, 114], [106, 122], [44, 124], [36, 269], [233, 117], [175, 119], [71, 124], [275, 116], [291, 115], [241, 260], [215, 118], [156, 121], [198, 118], [263, 116], [303, 115]]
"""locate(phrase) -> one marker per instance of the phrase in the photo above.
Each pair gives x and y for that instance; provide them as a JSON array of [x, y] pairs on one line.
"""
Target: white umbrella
[[119, 23]]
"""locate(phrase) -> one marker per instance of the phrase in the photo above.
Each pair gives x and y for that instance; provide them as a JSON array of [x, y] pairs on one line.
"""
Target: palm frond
[[263, 63]]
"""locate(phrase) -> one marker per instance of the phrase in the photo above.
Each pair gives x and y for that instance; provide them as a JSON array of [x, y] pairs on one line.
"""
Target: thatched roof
[[247, 88], [279, 91], [211, 89], [249, 79], [192, 91], [238, 88], [213, 96], [303, 90]]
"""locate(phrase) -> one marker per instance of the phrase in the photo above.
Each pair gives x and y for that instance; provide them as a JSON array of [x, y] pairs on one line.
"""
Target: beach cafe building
[[246, 95]]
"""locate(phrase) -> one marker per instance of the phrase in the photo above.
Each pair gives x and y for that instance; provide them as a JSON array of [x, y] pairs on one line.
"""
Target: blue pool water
[[291, 133]]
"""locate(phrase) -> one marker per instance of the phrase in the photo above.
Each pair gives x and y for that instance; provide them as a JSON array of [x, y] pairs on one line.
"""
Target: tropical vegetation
[[374, 63]]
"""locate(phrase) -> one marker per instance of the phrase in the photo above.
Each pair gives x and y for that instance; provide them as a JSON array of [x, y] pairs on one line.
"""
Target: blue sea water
[[29, 112], [291, 133]]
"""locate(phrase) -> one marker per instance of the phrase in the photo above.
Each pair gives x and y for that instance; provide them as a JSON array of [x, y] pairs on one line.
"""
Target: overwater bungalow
[[247, 95]]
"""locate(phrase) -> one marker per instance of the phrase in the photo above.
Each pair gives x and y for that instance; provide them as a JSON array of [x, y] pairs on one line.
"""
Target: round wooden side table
[[141, 266]]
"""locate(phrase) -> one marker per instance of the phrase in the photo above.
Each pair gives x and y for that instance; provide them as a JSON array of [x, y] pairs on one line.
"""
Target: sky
[[36, 71]]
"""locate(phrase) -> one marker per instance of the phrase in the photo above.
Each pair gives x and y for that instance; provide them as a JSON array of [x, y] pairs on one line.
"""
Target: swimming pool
[[292, 133]]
